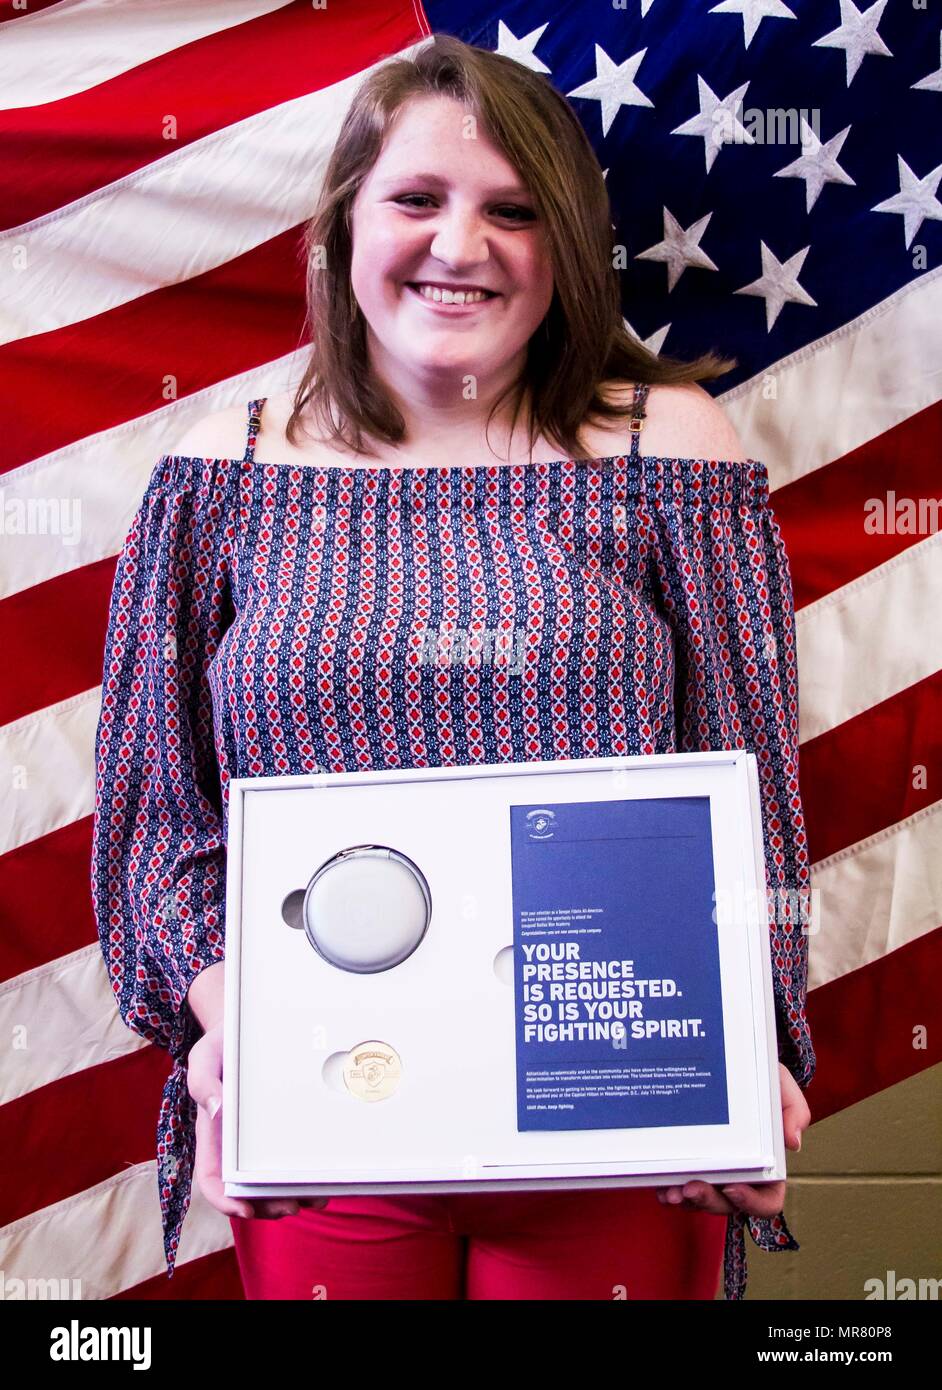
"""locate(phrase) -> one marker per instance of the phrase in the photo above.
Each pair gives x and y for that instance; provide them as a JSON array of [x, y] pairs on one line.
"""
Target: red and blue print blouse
[[274, 618]]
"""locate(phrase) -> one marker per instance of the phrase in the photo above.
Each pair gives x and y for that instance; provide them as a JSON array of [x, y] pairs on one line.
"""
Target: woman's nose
[[460, 240]]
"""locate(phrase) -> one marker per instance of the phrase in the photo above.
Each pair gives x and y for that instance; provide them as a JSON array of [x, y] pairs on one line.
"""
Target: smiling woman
[[461, 170], [276, 612]]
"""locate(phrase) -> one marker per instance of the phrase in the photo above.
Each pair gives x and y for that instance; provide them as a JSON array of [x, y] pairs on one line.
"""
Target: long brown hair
[[582, 341]]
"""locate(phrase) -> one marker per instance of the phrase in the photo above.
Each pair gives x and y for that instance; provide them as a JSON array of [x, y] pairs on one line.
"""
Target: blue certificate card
[[619, 1019]]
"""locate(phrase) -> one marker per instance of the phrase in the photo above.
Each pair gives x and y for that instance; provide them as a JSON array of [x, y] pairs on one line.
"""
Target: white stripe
[[101, 479], [108, 1236], [47, 768], [73, 46], [846, 389], [870, 639], [59, 1019], [877, 896], [193, 210]]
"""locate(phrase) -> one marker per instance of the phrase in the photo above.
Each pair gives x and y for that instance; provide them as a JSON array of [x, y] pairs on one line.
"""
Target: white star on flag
[[778, 284], [680, 248], [717, 124], [752, 13], [857, 35], [521, 50], [613, 85], [915, 200], [817, 164]]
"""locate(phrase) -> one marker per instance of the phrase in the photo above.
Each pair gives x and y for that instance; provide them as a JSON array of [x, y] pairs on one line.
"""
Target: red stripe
[[822, 514], [39, 927], [235, 317], [865, 1026], [858, 778], [31, 624], [78, 1131], [58, 151]]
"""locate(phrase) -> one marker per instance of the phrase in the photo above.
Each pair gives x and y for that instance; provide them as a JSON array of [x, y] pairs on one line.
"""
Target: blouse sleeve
[[158, 848], [723, 581]]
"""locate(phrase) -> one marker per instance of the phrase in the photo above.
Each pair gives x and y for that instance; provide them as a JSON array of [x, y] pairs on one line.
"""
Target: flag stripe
[[70, 48], [889, 999], [845, 388], [41, 1126], [63, 1019], [106, 475], [31, 624], [108, 1235], [874, 770], [172, 220], [36, 930], [157, 109], [48, 760], [830, 517], [871, 639], [889, 887], [249, 326]]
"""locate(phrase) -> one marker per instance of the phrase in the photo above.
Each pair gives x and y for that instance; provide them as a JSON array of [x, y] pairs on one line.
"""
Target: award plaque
[[546, 974]]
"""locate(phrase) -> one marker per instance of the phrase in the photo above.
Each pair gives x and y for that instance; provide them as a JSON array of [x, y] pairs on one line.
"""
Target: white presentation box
[[539, 975]]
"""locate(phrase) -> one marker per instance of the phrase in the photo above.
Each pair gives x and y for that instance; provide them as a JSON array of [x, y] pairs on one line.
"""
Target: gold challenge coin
[[372, 1070]]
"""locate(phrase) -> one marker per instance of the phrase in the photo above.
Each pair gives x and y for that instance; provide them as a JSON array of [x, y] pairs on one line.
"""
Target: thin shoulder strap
[[636, 423], [255, 424]]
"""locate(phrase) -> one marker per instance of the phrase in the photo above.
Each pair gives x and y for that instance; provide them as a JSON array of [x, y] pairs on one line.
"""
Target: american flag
[[773, 171]]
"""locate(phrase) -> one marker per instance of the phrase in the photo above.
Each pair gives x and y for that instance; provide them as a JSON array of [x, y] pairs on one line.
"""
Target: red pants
[[565, 1244]]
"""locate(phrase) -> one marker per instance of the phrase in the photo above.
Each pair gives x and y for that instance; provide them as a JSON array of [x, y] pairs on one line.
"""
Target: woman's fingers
[[695, 1196], [204, 1080], [756, 1199], [204, 1068], [207, 1170], [796, 1117]]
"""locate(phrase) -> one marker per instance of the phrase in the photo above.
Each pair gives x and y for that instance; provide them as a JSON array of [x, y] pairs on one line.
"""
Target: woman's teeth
[[450, 296]]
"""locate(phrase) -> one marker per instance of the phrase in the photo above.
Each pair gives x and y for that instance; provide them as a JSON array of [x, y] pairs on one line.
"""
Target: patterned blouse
[[278, 618]]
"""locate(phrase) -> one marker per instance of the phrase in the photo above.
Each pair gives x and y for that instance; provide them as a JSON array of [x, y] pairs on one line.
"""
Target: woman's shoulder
[[681, 421], [220, 434]]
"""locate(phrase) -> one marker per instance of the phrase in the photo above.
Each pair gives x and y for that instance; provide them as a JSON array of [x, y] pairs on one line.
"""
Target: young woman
[[463, 447]]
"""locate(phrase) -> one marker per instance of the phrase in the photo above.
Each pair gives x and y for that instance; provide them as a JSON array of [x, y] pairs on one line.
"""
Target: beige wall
[[864, 1197]]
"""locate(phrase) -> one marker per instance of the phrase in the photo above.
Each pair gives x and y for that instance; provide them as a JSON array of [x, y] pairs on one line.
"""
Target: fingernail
[[798, 1140], [212, 1105]]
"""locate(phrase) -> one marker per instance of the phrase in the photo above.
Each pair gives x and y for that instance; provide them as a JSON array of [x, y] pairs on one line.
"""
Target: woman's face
[[442, 206]]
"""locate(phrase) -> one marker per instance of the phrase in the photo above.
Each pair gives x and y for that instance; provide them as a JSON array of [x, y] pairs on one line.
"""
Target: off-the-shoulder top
[[280, 618]]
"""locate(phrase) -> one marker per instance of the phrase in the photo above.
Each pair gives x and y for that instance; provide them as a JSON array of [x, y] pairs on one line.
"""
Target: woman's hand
[[757, 1199], [204, 1079]]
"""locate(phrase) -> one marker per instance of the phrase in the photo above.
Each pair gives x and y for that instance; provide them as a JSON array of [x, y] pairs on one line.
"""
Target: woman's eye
[[526, 213], [505, 210]]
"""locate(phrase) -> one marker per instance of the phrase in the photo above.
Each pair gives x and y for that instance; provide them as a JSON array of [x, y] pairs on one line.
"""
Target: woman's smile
[[438, 300]]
